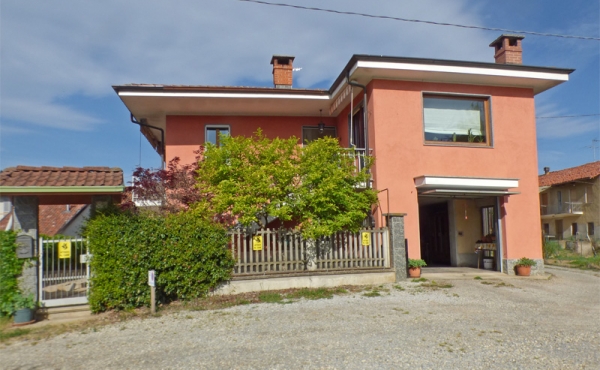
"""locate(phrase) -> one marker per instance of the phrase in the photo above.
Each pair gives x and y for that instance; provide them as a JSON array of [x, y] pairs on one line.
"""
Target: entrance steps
[[64, 313]]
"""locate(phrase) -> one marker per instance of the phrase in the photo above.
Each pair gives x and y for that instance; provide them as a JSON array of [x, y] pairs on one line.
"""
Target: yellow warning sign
[[366, 239], [257, 243], [64, 249]]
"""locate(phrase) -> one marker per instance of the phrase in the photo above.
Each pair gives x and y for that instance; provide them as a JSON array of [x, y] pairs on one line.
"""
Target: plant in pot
[[523, 266], [24, 309], [414, 267]]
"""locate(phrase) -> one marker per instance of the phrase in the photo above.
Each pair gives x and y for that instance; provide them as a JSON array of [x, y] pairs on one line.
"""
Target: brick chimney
[[508, 49], [282, 71]]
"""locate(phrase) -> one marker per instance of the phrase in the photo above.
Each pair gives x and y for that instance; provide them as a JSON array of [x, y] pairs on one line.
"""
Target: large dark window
[[310, 133], [456, 120], [356, 128]]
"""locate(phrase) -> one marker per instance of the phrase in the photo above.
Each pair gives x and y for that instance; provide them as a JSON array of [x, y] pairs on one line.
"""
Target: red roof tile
[[52, 218], [586, 171], [61, 176]]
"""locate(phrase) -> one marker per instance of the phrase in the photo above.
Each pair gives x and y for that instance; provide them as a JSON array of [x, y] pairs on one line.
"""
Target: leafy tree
[[329, 197], [250, 178], [173, 188]]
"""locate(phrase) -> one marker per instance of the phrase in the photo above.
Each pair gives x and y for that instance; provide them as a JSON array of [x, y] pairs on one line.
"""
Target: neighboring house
[[570, 202], [454, 141], [62, 219]]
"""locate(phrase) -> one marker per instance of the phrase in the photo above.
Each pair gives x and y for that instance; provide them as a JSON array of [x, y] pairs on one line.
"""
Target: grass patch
[[487, 283], [419, 280], [398, 287], [270, 297], [477, 278], [373, 293], [312, 294], [566, 258]]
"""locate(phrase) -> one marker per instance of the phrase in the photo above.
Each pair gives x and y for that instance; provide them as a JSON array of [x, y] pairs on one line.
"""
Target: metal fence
[[64, 271], [279, 251]]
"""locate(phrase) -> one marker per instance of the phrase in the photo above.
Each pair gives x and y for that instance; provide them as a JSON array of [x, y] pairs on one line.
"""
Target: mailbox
[[25, 246]]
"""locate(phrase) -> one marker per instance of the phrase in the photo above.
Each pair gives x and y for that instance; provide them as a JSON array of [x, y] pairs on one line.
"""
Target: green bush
[[550, 248], [524, 261], [414, 263], [187, 251], [10, 268]]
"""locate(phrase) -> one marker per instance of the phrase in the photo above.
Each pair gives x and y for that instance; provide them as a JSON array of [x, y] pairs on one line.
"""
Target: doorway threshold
[[459, 273]]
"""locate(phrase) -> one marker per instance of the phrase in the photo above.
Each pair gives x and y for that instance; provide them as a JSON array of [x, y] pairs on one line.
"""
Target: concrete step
[[63, 312]]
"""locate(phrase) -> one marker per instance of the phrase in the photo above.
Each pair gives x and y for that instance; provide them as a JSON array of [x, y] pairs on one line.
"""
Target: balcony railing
[[360, 157], [573, 208]]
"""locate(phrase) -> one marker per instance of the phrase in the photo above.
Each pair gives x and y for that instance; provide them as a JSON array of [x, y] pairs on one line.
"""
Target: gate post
[[395, 222], [26, 222]]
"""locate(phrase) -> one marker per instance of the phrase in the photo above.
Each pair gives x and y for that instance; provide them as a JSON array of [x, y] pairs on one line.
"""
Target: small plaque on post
[[24, 246], [151, 278]]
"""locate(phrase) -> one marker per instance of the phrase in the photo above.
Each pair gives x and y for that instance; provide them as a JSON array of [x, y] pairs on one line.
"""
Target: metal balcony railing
[[574, 208]]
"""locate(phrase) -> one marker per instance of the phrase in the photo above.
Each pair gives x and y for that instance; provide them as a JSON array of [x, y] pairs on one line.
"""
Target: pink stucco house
[[454, 141]]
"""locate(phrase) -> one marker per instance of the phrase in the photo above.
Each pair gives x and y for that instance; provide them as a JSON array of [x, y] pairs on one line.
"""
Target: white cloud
[[53, 50]]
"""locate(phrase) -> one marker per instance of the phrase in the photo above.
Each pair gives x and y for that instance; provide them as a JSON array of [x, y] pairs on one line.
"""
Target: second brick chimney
[[508, 49], [282, 71]]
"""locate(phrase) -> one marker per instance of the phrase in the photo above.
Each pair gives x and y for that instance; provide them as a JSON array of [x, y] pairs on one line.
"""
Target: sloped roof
[[52, 218], [584, 172], [61, 176]]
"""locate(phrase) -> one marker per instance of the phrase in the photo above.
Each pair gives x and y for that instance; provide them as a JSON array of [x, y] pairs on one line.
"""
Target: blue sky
[[59, 59]]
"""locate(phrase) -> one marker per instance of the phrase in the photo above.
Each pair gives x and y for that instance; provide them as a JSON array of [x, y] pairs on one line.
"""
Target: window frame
[[217, 127], [487, 101], [317, 127]]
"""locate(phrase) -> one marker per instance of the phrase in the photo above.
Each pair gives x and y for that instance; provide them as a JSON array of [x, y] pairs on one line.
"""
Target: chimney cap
[[546, 170], [506, 36], [278, 57]]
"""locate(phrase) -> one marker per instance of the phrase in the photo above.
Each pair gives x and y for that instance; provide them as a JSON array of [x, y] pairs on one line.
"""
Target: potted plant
[[414, 267], [24, 307], [523, 266]]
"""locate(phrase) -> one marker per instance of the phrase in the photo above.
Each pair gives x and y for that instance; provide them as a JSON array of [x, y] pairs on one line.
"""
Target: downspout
[[365, 116], [143, 123]]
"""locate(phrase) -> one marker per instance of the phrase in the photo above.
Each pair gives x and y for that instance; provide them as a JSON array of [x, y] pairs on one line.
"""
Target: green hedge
[[187, 252], [10, 269]]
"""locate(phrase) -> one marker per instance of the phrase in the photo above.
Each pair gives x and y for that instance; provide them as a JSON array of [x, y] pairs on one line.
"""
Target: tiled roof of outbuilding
[[61, 176], [52, 218], [585, 171]]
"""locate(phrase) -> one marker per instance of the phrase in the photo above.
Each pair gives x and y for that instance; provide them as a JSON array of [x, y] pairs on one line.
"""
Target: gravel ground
[[525, 324]]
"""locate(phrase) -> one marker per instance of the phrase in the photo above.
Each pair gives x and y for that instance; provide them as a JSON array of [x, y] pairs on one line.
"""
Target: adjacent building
[[570, 202]]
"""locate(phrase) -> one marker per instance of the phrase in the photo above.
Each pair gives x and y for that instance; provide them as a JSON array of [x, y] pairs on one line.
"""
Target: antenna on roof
[[594, 146]]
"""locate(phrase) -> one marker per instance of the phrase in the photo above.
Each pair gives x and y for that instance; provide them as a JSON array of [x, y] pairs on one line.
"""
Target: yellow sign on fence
[[366, 239], [257, 243], [64, 249]]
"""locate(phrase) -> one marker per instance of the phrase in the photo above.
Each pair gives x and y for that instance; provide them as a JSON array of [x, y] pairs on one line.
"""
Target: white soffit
[[364, 71], [464, 183]]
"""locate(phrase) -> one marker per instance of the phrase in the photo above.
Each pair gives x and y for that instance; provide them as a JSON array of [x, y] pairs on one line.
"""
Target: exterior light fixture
[[321, 123]]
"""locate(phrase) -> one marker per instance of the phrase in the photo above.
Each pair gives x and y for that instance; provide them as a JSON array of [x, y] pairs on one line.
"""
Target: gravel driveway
[[513, 323]]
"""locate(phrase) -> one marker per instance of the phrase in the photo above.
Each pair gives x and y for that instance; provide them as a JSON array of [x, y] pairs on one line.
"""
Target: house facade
[[454, 141], [569, 203]]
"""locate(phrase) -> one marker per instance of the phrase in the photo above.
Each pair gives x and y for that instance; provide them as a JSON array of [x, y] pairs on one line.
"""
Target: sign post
[[152, 291]]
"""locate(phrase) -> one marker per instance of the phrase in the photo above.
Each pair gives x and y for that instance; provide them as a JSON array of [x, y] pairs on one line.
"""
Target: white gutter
[[222, 95]]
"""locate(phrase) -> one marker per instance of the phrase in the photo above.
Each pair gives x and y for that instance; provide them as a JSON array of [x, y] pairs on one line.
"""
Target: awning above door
[[465, 187]]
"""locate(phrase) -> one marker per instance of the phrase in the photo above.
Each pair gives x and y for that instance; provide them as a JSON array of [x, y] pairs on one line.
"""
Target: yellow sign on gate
[[257, 243], [64, 249], [366, 239]]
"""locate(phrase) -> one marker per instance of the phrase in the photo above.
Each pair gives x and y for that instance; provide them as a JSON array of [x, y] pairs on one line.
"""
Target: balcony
[[561, 210], [360, 158]]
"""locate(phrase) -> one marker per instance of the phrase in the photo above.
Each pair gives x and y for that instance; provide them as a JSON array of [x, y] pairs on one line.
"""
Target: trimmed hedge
[[188, 253], [11, 268]]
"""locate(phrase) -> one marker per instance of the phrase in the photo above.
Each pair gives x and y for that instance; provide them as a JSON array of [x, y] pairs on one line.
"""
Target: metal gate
[[64, 272]]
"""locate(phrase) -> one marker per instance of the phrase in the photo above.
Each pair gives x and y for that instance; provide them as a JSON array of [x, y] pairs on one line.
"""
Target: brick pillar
[[26, 223], [395, 222]]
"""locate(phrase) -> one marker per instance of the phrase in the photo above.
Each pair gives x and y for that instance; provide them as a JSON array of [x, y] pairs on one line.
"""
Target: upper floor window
[[213, 132], [456, 120], [310, 133]]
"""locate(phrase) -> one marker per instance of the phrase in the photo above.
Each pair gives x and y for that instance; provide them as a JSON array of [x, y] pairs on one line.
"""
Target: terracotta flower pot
[[523, 270], [414, 272]]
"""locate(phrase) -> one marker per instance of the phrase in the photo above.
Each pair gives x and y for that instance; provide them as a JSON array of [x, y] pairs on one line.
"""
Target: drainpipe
[[142, 122], [365, 116]]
